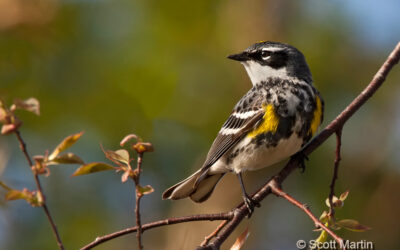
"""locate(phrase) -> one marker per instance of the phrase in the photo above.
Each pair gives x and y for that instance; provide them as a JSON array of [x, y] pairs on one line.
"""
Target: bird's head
[[271, 59]]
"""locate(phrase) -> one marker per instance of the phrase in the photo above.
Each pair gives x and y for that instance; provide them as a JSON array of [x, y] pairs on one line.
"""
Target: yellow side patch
[[316, 121], [270, 123]]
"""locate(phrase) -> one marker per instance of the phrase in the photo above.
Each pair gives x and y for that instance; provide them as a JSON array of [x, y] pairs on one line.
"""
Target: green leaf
[[145, 190], [323, 237], [120, 155], [32, 197], [344, 195], [66, 143], [30, 104], [324, 217], [352, 225], [3, 115], [240, 240], [15, 195], [68, 158], [92, 167]]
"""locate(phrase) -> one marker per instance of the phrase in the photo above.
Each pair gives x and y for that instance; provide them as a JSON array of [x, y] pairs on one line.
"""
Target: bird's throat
[[259, 73]]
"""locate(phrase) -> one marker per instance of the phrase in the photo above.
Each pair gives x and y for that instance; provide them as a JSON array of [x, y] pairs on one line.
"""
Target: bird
[[272, 122]]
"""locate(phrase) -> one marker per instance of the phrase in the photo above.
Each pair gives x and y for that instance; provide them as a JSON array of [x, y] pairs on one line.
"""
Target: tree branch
[[335, 171], [213, 234], [275, 189], [24, 150], [165, 222], [138, 197], [239, 213]]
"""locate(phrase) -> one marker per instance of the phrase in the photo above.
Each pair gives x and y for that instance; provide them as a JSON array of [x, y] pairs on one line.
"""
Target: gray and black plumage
[[272, 121]]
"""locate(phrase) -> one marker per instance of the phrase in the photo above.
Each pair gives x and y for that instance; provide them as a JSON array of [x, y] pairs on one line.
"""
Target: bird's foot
[[250, 204], [300, 157]]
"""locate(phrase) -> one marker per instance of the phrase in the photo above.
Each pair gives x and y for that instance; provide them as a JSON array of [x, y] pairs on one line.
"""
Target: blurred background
[[159, 69]]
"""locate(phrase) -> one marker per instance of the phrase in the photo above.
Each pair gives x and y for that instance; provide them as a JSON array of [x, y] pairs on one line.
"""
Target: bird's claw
[[250, 204], [300, 157]]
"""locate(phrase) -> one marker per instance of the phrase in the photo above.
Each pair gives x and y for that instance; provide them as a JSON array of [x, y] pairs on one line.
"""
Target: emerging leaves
[[129, 138], [119, 157], [66, 143], [43, 161], [344, 196], [145, 190], [352, 225], [30, 104], [337, 202], [92, 168], [10, 121], [140, 146], [329, 220], [123, 159], [67, 158], [34, 198], [240, 240]]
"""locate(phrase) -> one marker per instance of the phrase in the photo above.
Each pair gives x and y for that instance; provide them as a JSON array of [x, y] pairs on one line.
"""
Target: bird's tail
[[197, 189]]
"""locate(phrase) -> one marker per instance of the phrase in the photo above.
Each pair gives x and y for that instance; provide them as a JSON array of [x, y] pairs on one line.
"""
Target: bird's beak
[[241, 57]]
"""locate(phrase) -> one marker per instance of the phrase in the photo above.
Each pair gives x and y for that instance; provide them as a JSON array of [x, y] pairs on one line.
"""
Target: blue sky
[[375, 23]]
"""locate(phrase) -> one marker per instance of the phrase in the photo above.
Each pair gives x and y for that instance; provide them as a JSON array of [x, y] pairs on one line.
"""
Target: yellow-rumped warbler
[[273, 121]]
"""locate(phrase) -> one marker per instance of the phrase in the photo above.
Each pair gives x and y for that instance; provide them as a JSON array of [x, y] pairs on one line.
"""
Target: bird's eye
[[265, 54]]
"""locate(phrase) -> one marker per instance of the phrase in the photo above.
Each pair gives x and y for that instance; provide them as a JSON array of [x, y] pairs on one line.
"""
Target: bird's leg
[[250, 203], [300, 157]]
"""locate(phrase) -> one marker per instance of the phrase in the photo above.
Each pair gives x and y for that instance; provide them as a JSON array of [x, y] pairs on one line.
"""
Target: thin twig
[[165, 222], [24, 150], [335, 171], [138, 197], [279, 192], [239, 213], [213, 234]]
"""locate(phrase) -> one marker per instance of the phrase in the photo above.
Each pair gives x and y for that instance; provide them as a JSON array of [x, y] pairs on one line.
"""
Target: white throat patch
[[258, 72]]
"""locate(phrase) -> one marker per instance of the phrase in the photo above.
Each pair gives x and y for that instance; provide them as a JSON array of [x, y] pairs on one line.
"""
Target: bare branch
[[279, 192], [165, 222], [24, 150], [335, 171], [138, 197], [213, 234]]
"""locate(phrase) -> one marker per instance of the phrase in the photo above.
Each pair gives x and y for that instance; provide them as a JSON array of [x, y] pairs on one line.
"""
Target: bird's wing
[[239, 123]]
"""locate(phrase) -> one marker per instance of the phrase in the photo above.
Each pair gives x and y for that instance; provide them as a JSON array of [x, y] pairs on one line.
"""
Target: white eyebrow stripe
[[272, 49], [244, 115]]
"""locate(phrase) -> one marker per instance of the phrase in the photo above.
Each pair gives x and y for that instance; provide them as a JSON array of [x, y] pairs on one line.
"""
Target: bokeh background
[[158, 69]]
